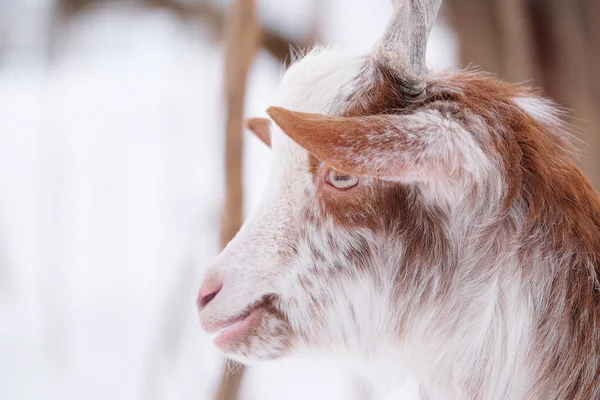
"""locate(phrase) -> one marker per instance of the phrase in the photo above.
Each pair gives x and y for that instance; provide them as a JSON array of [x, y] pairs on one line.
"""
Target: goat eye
[[340, 181]]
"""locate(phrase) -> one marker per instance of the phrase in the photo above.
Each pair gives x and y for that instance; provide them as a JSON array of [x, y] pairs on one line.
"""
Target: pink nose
[[208, 292]]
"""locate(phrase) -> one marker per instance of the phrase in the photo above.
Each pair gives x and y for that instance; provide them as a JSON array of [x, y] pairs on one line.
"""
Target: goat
[[416, 223]]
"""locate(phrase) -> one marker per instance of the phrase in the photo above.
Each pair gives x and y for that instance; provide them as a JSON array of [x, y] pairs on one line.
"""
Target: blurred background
[[123, 169]]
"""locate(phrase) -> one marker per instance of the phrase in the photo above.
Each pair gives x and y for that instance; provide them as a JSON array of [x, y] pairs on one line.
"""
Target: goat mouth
[[240, 327], [244, 325]]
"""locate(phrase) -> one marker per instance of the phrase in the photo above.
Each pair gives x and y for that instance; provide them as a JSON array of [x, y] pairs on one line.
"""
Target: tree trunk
[[243, 37]]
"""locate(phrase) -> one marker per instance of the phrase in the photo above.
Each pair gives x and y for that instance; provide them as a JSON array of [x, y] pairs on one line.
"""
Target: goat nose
[[208, 291]]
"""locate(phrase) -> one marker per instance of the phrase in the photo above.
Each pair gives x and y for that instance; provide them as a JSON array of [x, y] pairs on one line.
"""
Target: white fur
[[541, 109]]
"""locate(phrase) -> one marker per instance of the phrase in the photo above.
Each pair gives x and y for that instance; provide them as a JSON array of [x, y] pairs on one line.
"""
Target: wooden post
[[242, 40], [551, 44]]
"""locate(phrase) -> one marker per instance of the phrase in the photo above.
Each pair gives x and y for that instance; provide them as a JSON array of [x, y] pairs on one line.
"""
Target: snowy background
[[110, 193]]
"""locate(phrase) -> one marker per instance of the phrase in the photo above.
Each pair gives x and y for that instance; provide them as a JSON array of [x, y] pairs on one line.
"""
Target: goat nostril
[[204, 301], [207, 293]]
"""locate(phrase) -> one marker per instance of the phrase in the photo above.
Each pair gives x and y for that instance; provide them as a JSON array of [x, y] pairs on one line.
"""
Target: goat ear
[[261, 127], [362, 146], [421, 146]]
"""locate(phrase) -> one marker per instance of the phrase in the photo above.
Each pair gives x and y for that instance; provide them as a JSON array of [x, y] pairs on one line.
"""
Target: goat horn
[[403, 45]]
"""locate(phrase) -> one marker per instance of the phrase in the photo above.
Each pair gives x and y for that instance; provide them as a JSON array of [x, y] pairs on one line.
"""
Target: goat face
[[310, 268], [307, 270]]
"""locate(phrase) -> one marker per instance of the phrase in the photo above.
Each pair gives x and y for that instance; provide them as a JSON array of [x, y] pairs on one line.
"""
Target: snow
[[110, 191]]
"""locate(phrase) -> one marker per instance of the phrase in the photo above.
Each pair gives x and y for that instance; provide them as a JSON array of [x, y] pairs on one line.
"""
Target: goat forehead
[[320, 82]]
